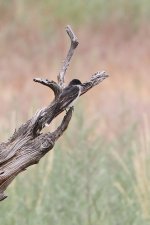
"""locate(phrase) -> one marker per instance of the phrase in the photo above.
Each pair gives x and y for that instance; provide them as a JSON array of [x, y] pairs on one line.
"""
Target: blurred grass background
[[98, 172]]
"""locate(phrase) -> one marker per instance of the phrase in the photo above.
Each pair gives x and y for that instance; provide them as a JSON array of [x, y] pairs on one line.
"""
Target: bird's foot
[[67, 109]]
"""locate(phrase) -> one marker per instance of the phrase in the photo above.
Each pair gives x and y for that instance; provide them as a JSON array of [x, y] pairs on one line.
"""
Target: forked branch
[[28, 144]]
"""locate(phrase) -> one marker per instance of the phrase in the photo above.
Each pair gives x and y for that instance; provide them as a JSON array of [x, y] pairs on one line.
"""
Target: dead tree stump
[[28, 144]]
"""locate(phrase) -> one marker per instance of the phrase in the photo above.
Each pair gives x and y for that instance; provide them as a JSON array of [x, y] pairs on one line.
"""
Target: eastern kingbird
[[73, 90], [69, 95]]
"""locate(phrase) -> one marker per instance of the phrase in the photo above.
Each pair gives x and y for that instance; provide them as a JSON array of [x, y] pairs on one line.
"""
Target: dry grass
[[120, 100]]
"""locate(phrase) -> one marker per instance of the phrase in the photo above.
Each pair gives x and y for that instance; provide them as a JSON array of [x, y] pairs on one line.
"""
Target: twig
[[51, 84], [95, 80], [74, 44]]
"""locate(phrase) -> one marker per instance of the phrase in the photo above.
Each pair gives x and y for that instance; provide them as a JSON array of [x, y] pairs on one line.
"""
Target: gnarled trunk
[[28, 144]]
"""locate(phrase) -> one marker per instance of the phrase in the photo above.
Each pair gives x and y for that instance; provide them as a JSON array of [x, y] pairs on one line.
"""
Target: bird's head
[[75, 82]]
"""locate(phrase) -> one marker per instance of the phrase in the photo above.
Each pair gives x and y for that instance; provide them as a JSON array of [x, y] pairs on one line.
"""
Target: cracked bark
[[28, 144]]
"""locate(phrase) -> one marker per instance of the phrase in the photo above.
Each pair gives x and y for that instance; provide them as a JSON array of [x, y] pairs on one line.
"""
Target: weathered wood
[[28, 144], [74, 44]]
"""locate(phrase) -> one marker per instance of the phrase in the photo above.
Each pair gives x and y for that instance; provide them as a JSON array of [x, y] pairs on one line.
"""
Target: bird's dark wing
[[68, 95]]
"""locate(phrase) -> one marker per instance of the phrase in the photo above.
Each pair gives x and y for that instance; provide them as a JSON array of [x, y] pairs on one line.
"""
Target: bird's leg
[[67, 109]]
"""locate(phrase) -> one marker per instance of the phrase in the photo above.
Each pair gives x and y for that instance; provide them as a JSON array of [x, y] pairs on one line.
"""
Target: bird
[[71, 93], [69, 96]]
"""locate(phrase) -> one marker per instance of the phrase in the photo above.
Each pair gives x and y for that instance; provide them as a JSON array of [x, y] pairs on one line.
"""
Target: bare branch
[[59, 131], [51, 84], [95, 80], [54, 109], [28, 145], [74, 44]]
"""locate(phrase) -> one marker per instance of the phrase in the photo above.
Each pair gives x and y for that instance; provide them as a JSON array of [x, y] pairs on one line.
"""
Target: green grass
[[85, 179], [51, 13]]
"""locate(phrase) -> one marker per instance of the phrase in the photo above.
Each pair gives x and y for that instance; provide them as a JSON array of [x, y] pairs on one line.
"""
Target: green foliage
[[86, 180], [50, 13]]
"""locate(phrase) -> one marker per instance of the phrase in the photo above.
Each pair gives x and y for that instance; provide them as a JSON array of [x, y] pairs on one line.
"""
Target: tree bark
[[28, 144]]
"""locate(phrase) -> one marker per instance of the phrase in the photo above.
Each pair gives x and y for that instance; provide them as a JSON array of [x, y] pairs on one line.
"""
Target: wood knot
[[46, 144]]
